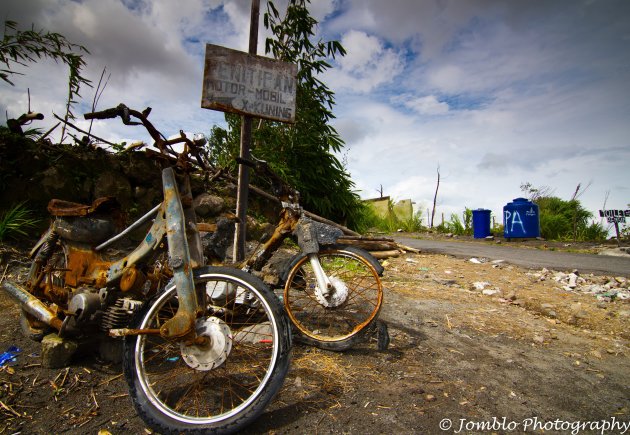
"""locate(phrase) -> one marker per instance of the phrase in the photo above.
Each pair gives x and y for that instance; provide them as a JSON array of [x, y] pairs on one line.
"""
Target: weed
[[16, 221]]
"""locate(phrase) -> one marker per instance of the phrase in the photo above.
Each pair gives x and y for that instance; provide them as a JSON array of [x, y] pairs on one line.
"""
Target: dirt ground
[[515, 352]]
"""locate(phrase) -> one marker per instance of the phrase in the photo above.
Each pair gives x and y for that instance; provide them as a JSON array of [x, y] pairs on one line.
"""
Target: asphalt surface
[[528, 258]]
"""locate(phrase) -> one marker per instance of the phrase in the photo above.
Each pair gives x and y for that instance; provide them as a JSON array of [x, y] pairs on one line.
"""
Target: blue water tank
[[481, 223], [521, 219]]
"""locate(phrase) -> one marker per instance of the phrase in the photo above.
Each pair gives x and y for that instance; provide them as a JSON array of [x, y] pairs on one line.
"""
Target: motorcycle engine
[[119, 314], [89, 305], [85, 302]]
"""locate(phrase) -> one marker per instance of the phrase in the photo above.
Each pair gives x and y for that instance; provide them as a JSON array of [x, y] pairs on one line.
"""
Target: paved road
[[529, 258]]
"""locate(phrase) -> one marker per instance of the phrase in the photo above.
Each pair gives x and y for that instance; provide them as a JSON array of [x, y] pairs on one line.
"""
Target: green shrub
[[16, 221], [595, 232], [456, 226], [564, 220]]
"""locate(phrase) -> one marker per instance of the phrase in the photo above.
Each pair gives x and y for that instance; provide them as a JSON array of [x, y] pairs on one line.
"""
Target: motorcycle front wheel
[[224, 384], [339, 320]]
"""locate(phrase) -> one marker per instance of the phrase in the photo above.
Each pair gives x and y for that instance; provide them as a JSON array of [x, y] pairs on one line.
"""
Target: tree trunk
[[435, 196]]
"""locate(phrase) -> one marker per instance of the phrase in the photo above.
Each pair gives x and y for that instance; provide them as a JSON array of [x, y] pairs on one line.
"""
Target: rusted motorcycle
[[205, 349], [332, 292]]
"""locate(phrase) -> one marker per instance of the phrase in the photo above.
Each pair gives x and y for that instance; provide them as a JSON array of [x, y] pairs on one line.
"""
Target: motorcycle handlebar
[[127, 114], [104, 114]]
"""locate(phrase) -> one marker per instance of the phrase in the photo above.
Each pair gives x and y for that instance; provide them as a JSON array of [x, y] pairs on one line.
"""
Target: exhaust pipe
[[32, 305]]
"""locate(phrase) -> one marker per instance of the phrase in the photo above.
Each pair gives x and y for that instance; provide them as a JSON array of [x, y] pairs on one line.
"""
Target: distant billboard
[[238, 82]]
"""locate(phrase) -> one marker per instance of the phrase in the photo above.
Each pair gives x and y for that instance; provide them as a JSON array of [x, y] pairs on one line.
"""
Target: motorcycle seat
[[60, 207]]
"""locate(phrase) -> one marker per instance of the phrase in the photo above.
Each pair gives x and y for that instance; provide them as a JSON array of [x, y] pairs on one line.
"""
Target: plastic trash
[[9, 356]]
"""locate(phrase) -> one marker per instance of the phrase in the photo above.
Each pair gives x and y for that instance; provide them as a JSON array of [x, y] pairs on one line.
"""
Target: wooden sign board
[[237, 82]]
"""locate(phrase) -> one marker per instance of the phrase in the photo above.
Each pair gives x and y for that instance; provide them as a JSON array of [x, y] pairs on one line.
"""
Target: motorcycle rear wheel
[[219, 388]]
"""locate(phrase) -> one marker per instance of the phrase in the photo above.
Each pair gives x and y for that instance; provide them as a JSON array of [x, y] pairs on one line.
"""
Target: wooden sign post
[[252, 86]]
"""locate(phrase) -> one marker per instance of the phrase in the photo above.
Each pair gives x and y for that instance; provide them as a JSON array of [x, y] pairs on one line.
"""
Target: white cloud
[[367, 64], [428, 105]]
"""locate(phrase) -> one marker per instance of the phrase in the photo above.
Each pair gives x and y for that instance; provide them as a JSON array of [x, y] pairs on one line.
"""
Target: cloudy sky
[[493, 93]]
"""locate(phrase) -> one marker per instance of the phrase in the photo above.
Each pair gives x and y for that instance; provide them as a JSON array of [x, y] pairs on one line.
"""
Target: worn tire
[[305, 331], [254, 371]]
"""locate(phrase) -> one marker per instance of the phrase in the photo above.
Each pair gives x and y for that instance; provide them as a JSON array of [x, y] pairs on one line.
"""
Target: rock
[[217, 244], [511, 296], [594, 289], [430, 398], [112, 183], [208, 205], [539, 339], [146, 198], [479, 285], [253, 334], [53, 181], [491, 292], [57, 351], [475, 260], [111, 350]]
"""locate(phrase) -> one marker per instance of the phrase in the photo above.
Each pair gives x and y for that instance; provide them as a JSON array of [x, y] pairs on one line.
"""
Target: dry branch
[[379, 255]]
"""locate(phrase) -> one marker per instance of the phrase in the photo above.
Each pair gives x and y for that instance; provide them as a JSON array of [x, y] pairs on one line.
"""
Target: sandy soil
[[527, 357]]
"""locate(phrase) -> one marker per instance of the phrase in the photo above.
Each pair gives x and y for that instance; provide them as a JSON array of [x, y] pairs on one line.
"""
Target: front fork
[[179, 254], [323, 282]]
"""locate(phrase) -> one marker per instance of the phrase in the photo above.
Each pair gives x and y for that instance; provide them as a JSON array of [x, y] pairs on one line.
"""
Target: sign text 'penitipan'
[[246, 84]]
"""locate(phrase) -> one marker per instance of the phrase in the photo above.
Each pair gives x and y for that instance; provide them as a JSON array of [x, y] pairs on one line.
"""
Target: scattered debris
[[9, 356], [604, 288], [480, 285]]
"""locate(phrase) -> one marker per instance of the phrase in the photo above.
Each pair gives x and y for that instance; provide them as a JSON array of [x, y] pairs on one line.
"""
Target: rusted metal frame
[[137, 224], [123, 332], [150, 242], [85, 266], [183, 322], [288, 222], [195, 247]]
